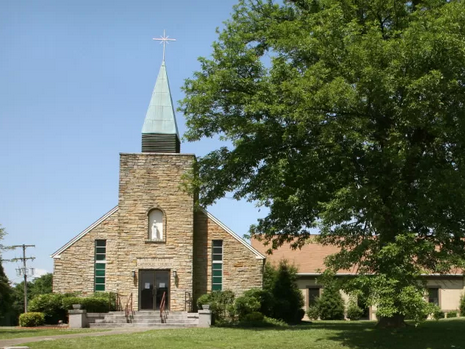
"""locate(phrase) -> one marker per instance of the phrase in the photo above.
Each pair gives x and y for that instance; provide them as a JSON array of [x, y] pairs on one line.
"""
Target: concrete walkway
[[17, 341]]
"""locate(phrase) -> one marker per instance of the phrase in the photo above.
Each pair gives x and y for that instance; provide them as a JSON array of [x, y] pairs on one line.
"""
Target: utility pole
[[24, 269]]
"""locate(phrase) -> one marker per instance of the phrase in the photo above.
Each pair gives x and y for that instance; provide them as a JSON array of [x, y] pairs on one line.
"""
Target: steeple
[[160, 131]]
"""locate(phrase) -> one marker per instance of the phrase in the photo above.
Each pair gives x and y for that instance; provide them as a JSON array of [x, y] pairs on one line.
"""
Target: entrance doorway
[[152, 285]]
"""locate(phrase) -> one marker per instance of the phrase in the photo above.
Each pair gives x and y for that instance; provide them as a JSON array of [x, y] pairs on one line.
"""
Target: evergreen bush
[[287, 300], [266, 299], [330, 304], [462, 305], [31, 319], [313, 312], [452, 314], [354, 312]]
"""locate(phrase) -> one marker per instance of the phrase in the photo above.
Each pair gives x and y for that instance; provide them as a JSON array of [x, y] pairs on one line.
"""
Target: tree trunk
[[396, 321]]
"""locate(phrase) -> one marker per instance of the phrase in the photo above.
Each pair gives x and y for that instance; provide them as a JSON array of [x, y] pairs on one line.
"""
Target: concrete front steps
[[146, 319]]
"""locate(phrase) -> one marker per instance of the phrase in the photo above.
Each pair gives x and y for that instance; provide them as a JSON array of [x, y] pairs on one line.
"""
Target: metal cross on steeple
[[164, 40]]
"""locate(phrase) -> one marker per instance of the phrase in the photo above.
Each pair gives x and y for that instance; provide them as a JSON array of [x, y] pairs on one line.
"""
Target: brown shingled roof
[[309, 259]]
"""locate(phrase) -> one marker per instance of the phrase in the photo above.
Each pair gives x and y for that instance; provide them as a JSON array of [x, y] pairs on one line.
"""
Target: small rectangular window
[[100, 266], [313, 294], [433, 295], [217, 265]]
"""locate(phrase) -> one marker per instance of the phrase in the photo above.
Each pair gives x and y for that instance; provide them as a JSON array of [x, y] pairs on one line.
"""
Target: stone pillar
[[205, 318], [77, 318]]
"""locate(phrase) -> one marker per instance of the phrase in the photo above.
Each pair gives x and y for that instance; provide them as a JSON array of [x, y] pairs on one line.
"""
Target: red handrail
[[162, 308]]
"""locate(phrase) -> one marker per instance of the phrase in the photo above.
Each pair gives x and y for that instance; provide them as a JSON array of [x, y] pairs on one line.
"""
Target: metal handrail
[[128, 312], [187, 301], [118, 302], [163, 314]]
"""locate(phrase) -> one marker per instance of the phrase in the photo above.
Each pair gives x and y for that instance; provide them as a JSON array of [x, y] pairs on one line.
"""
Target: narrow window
[[100, 264], [433, 295], [217, 265], [313, 294], [156, 232]]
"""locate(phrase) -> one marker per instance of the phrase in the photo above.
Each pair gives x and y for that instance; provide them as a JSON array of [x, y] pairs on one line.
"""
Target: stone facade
[[151, 181], [242, 268]]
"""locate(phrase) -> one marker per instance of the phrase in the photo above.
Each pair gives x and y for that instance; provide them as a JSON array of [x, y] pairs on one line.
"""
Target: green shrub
[[462, 305], [254, 316], [256, 322], [246, 305], [92, 304], [67, 302], [51, 305], [330, 304], [354, 312], [109, 298], [266, 299], [313, 312], [31, 319], [452, 314], [438, 314], [220, 303], [95, 305], [281, 283], [204, 299]]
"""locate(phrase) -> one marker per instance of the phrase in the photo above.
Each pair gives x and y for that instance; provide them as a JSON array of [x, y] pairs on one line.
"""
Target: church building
[[156, 242]]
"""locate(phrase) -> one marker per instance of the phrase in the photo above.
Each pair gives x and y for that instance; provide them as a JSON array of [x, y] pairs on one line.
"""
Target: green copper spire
[[160, 131], [160, 117]]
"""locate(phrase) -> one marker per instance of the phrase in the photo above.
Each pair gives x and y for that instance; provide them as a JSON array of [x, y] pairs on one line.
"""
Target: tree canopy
[[346, 116]]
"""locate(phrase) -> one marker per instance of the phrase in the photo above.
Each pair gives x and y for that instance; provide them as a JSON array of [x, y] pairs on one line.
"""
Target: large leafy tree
[[346, 115]]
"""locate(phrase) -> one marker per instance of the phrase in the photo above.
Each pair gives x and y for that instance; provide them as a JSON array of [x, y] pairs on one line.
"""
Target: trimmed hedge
[[55, 306], [51, 305], [32, 319]]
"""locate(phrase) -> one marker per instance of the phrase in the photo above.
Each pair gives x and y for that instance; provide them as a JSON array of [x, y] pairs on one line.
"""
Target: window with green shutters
[[100, 264], [217, 265]]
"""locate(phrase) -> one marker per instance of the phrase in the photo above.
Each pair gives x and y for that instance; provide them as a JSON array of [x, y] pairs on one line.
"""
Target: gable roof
[[56, 254], [258, 255]]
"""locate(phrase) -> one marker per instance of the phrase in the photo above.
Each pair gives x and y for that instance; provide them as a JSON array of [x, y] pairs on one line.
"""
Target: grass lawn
[[18, 332], [322, 335]]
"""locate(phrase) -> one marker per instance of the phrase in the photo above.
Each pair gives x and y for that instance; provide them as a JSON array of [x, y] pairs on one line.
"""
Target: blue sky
[[75, 82]]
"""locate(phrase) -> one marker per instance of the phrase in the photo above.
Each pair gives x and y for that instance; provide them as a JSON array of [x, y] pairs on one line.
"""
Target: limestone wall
[[241, 268]]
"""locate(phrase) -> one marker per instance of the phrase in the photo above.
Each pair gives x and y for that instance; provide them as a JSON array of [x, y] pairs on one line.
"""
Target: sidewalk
[[17, 341]]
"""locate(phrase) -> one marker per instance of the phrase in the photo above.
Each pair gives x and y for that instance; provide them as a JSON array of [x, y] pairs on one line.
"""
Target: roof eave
[[258, 255]]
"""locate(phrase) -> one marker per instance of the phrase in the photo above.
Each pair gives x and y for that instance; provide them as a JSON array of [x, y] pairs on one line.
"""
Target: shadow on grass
[[429, 335], [442, 334]]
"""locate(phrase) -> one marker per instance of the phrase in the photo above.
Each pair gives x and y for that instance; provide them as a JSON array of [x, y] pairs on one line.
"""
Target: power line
[[24, 270]]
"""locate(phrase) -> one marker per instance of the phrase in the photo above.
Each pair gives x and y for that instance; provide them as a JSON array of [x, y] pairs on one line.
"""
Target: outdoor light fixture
[[133, 273], [175, 274]]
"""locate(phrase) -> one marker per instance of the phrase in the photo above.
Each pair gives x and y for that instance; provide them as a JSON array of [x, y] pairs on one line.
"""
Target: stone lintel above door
[[154, 263]]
